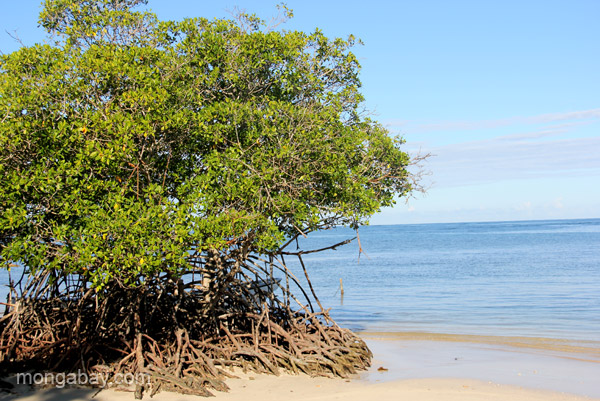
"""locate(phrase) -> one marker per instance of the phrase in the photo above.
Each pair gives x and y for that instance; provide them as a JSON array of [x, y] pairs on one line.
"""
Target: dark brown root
[[175, 337]]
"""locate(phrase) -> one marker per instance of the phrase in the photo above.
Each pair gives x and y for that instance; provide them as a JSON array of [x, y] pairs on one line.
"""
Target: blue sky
[[505, 95]]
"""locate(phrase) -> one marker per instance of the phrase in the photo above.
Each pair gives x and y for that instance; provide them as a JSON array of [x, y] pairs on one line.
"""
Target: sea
[[521, 278]]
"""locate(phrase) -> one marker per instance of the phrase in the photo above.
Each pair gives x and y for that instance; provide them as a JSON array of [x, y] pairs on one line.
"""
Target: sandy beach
[[414, 367], [264, 388]]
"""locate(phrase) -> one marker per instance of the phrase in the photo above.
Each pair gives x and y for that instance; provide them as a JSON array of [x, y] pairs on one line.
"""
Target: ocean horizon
[[538, 278]]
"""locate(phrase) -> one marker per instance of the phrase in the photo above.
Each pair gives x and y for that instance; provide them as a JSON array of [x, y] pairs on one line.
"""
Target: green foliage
[[132, 141]]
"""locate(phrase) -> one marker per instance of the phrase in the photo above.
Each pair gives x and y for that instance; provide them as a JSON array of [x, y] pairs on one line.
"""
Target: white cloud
[[525, 206], [558, 203], [504, 158], [542, 166], [572, 115], [418, 127], [548, 147]]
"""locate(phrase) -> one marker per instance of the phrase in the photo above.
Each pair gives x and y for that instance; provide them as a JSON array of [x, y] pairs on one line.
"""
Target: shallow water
[[536, 278], [489, 362]]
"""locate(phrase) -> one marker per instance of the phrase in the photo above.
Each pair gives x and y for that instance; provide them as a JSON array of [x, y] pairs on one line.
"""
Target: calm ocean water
[[531, 278], [527, 278]]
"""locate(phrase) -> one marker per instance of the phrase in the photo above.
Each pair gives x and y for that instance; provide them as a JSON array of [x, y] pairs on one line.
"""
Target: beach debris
[[382, 369]]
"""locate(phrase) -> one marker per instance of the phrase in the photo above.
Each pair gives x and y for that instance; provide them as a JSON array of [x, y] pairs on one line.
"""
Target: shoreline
[[529, 363], [584, 350], [415, 366]]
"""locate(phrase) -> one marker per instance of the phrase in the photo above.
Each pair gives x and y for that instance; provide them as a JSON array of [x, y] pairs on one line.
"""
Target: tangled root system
[[180, 335]]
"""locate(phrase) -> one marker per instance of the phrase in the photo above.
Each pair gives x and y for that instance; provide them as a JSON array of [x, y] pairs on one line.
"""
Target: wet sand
[[536, 363], [577, 349]]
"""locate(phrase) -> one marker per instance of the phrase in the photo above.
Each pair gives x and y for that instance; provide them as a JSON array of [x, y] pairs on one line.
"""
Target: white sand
[[417, 370], [290, 388]]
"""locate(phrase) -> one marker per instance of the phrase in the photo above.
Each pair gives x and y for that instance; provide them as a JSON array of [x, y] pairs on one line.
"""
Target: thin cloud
[[534, 135], [505, 158], [414, 127], [539, 146], [573, 115]]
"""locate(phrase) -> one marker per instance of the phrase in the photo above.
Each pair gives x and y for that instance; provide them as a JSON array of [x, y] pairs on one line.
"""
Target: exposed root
[[173, 340]]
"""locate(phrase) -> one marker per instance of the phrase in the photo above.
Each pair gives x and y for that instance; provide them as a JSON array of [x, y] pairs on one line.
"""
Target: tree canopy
[[153, 174], [130, 142]]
